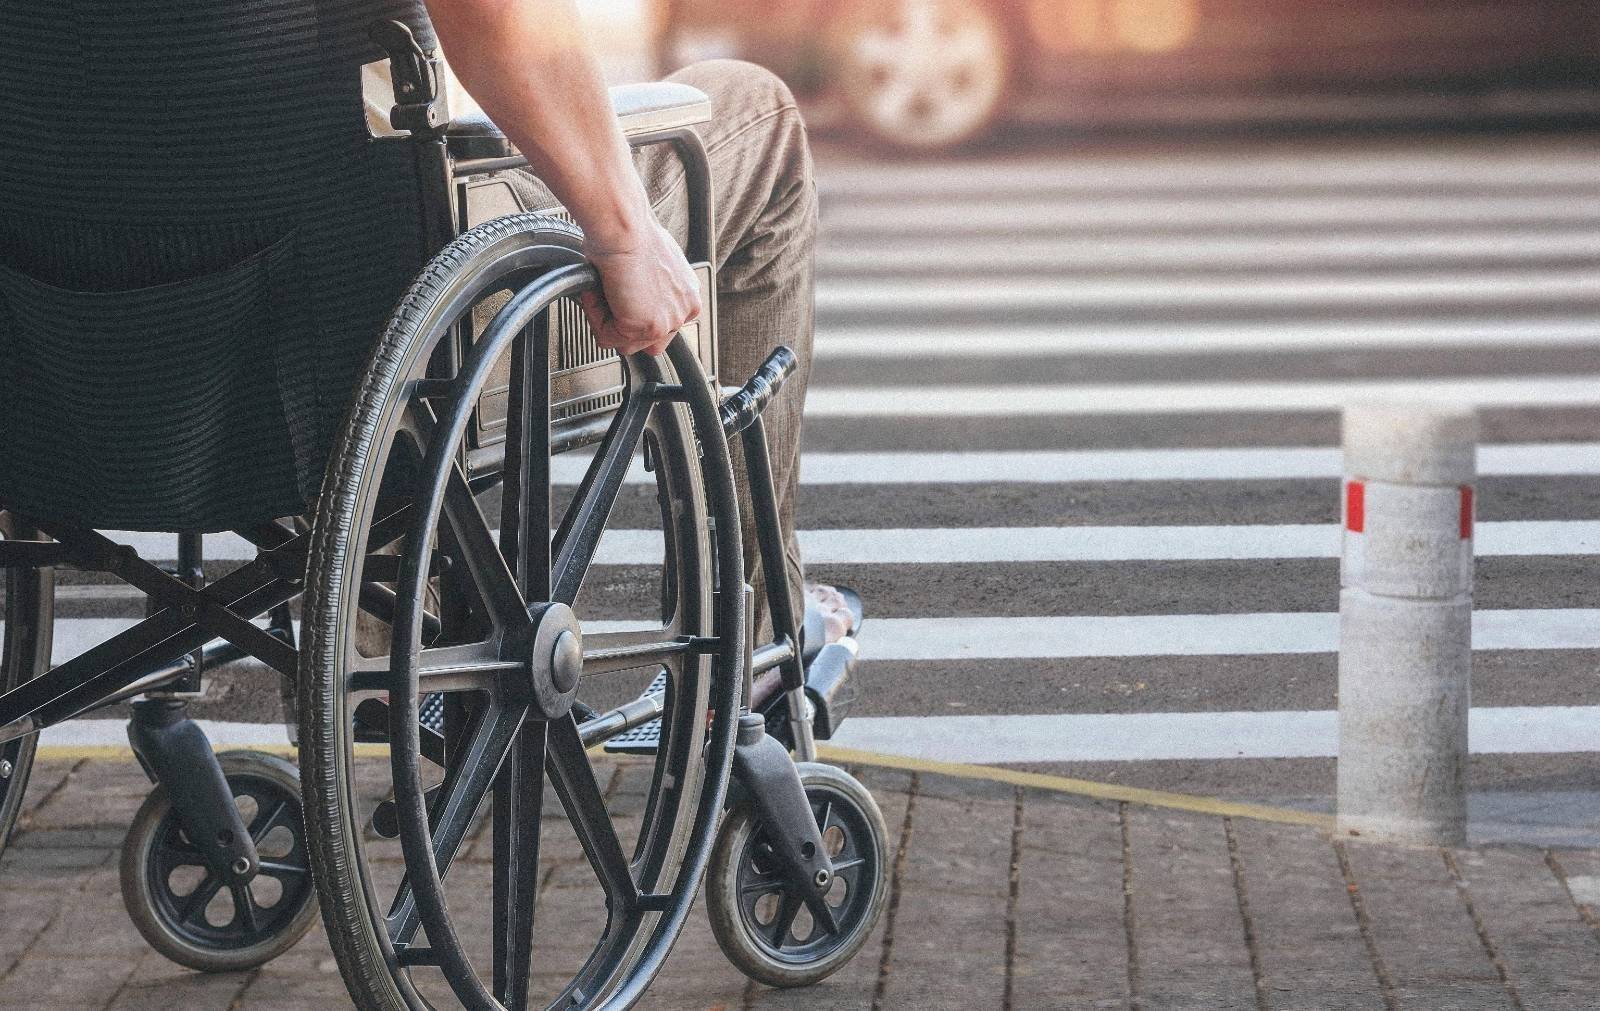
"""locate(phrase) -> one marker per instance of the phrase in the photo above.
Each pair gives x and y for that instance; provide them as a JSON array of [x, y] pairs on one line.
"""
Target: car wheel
[[920, 75]]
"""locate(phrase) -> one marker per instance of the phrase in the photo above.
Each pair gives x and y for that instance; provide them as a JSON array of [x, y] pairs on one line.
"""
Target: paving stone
[[1071, 947], [1422, 930], [81, 837], [963, 846], [951, 922], [49, 866], [63, 983], [1551, 961], [949, 952], [1307, 936], [65, 941], [948, 947], [46, 778], [1189, 936], [94, 923], [155, 980]]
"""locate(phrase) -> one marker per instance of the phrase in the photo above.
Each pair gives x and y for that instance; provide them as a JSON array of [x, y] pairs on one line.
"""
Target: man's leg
[[766, 223]]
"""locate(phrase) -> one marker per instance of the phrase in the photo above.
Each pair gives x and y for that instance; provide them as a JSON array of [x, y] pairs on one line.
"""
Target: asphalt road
[[1073, 434], [1157, 337]]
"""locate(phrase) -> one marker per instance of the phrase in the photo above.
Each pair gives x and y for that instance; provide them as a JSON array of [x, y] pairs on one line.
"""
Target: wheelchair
[[429, 611]]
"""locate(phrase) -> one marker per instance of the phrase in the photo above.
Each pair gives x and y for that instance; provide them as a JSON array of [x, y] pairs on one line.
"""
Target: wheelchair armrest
[[663, 105], [641, 109]]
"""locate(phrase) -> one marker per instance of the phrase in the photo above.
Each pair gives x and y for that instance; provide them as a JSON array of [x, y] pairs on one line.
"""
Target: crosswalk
[[1013, 346], [1073, 434]]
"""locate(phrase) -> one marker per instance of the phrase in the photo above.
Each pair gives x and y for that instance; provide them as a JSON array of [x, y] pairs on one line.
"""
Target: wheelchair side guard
[[176, 753]]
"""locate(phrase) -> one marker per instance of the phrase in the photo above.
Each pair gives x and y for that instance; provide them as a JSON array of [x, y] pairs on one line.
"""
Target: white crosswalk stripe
[[1147, 737], [1139, 341], [1341, 168], [1023, 400], [947, 545], [1052, 216], [1021, 296], [1100, 255]]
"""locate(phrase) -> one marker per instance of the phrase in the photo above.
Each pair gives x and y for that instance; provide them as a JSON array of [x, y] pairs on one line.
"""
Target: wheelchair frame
[[191, 625], [170, 647]]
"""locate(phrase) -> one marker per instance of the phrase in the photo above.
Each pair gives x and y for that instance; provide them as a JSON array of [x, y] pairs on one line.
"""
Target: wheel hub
[[554, 660]]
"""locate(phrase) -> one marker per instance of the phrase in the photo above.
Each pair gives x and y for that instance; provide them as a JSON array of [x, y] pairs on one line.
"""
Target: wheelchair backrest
[[199, 243]]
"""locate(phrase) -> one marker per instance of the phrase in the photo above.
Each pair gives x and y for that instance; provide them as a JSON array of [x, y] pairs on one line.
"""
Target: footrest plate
[[646, 737]]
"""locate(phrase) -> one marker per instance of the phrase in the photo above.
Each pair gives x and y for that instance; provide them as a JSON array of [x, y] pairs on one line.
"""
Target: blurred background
[[928, 76], [1095, 278]]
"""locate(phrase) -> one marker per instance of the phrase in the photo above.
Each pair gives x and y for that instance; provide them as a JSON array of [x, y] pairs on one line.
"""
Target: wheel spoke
[[525, 489], [764, 884], [268, 820], [822, 915], [280, 870], [575, 784], [486, 565], [244, 907], [200, 898], [788, 909], [465, 786], [518, 799], [608, 652], [585, 520], [471, 667]]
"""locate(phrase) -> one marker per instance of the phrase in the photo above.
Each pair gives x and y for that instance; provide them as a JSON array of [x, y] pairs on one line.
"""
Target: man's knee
[[739, 91]]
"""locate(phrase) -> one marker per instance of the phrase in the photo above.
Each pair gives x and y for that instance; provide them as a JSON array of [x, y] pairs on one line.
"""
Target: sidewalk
[[1003, 896]]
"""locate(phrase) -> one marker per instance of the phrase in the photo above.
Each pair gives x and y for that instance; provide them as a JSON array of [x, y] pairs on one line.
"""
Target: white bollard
[[1405, 622]]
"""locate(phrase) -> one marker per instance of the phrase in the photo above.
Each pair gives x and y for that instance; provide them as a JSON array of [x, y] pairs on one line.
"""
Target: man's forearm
[[527, 64]]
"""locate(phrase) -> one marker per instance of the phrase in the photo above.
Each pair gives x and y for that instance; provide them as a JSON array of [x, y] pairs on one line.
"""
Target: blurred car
[[932, 74]]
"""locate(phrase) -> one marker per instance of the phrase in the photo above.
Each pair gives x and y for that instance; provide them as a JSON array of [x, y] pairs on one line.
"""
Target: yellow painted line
[[1194, 803], [77, 753], [1082, 787]]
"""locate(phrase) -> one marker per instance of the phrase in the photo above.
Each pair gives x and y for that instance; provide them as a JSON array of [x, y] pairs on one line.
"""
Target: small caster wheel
[[763, 926], [183, 909]]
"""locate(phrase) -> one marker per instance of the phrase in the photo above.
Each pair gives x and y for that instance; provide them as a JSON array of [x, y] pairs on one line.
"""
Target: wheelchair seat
[[641, 109]]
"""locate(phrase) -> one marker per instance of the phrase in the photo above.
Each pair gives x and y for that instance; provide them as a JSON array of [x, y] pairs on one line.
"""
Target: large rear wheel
[[530, 661]]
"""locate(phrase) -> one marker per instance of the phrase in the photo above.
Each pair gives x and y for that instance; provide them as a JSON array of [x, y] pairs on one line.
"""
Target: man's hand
[[530, 67], [649, 292]]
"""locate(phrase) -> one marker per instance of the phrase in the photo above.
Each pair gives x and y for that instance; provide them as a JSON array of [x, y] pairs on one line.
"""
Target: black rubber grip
[[745, 406]]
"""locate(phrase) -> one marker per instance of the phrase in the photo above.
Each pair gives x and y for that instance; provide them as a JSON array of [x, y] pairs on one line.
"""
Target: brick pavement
[[1003, 896]]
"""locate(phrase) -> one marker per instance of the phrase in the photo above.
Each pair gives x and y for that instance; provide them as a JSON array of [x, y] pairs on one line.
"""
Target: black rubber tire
[[153, 821], [729, 920], [29, 628]]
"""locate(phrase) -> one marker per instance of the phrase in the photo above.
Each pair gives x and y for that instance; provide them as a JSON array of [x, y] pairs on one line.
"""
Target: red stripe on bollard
[[1466, 512], [1355, 506]]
